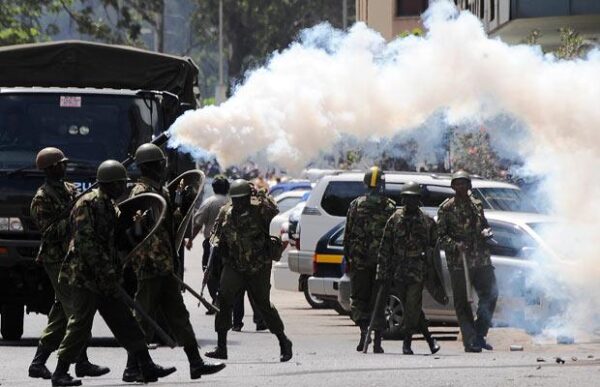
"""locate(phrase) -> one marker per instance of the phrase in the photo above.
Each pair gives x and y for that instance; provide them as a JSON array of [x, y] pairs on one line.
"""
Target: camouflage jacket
[[407, 240], [366, 219], [50, 201], [157, 256], [92, 261], [463, 221], [242, 237]]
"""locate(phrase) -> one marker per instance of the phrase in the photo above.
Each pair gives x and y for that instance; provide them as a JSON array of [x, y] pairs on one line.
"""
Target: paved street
[[324, 355]]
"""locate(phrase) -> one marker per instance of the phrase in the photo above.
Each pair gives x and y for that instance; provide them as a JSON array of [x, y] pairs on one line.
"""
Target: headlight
[[11, 224]]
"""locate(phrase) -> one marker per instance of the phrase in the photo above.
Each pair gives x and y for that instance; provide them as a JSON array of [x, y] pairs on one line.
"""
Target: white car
[[283, 278]]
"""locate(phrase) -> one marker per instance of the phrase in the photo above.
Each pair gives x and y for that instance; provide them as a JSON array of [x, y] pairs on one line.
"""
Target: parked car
[[331, 197], [291, 185], [516, 239]]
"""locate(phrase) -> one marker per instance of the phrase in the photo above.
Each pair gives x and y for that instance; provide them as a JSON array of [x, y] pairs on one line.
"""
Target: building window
[[492, 9], [411, 7], [481, 9]]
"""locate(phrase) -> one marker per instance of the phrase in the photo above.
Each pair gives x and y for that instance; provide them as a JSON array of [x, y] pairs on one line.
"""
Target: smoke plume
[[332, 83]]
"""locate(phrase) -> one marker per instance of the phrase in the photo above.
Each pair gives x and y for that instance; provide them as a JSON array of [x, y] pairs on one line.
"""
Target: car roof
[[519, 217], [441, 179], [291, 194]]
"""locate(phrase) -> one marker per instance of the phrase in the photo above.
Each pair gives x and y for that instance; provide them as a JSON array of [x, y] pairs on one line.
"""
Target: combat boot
[[197, 366], [150, 372], [220, 351], [285, 347], [61, 376], [483, 344], [433, 345], [132, 371], [37, 368], [364, 329], [406, 349], [377, 348], [83, 367]]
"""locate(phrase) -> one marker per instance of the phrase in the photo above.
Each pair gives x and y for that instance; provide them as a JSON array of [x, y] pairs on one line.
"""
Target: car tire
[[394, 319], [11, 325], [314, 301]]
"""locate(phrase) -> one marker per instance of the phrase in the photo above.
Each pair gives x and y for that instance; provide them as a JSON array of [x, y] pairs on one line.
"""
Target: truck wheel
[[11, 326], [314, 301]]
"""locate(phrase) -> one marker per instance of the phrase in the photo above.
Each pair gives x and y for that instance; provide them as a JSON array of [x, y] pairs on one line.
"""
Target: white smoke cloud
[[332, 83]]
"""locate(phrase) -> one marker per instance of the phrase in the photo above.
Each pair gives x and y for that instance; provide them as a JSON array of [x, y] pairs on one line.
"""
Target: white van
[[330, 198]]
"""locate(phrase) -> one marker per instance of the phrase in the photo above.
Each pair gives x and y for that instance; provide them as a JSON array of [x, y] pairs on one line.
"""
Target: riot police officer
[[463, 231], [365, 221]]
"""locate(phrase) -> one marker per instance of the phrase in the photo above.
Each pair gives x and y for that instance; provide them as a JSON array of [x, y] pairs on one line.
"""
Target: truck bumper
[[325, 288]]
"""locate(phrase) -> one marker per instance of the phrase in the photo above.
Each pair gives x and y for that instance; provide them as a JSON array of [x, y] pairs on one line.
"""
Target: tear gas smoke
[[332, 83]]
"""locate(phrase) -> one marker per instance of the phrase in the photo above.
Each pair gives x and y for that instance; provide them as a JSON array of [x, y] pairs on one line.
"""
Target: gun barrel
[[200, 298]]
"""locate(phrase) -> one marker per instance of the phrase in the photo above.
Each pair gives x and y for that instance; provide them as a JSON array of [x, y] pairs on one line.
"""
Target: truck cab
[[94, 102]]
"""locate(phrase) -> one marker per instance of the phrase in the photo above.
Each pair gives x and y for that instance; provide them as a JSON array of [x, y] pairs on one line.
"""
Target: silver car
[[520, 304]]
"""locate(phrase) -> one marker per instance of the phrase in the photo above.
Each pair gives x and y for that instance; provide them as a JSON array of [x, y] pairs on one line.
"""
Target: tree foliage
[[473, 152], [21, 20], [253, 29]]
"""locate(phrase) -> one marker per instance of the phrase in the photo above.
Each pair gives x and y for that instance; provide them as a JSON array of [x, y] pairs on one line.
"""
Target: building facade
[[511, 20]]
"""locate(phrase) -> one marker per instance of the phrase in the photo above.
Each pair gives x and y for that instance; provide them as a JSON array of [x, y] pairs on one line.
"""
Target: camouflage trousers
[[483, 280], [163, 294], [258, 286], [363, 292], [58, 317], [411, 297], [115, 313]]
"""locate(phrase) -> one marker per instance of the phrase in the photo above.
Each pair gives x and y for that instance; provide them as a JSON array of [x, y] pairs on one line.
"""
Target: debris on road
[[540, 360], [515, 347], [539, 367], [560, 360], [574, 358], [590, 356]]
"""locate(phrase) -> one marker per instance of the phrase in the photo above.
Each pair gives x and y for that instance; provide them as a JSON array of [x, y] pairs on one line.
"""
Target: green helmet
[[111, 170], [460, 175], [147, 153], [411, 188], [373, 177], [240, 188], [48, 157]]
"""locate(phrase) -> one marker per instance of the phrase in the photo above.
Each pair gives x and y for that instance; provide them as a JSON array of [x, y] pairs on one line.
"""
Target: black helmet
[[240, 188], [411, 188], [111, 170], [147, 153], [48, 157], [461, 175], [374, 177]]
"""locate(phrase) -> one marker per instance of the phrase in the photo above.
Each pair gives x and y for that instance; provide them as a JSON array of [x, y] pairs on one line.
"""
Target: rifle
[[200, 297], [134, 305], [382, 293], [209, 266], [159, 141]]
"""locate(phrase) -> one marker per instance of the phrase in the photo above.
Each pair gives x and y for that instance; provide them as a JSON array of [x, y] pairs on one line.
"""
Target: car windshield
[[504, 199], [88, 128]]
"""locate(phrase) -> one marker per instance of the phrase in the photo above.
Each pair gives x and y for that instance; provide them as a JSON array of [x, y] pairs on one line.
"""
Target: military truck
[[93, 101]]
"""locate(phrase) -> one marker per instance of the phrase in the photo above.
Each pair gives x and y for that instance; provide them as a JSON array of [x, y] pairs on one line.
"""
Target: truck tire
[[338, 308], [11, 325], [394, 319], [314, 301]]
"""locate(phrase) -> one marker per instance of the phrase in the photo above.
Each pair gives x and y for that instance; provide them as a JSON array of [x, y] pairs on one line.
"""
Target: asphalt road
[[324, 354]]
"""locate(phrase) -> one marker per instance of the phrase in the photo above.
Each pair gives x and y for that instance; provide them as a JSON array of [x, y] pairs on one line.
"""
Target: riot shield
[[434, 281], [139, 217], [185, 191]]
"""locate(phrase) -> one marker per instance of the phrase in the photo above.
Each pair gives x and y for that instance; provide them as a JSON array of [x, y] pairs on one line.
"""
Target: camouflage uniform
[[93, 270], [463, 221], [50, 200], [366, 219], [407, 241], [154, 266], [242, 241]]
